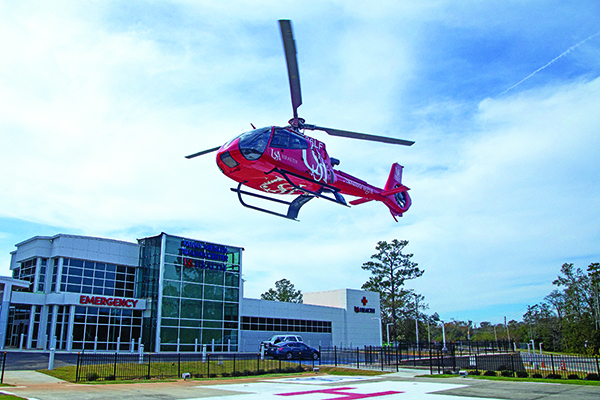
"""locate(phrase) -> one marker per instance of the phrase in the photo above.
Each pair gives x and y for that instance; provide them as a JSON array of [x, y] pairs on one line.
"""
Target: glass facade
[[188, 293], [197, 302], [89, 277], [92, 327]]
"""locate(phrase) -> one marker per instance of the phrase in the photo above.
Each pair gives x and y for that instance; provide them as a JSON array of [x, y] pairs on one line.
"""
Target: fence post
[[382, 355], [257, 363], [233, 374], [414, 357], [149, 360], [512, 363], [335, 356], [476, 364], [4, 364], [597, 365], [178, 364], [208, 365], [76, 368], [552, 361], [357, 359], [430, 362], [115, 367]]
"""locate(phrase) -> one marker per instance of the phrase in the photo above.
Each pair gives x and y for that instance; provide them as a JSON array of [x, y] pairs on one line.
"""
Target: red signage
[[108, 301]]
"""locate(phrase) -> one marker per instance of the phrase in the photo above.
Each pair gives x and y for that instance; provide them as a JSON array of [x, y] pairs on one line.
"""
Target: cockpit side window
[[252, 144], [281, 139], [284, 139]]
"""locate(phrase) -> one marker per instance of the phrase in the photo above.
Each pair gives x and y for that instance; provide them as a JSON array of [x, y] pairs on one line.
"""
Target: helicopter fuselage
[[280, 161]]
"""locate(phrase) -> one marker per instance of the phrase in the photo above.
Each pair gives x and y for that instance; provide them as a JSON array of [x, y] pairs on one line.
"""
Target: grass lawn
[[218, 371]]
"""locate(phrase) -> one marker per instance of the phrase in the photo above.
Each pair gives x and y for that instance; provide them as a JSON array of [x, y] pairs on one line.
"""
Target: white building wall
[[81, 247], [350, 327], [359, 328]]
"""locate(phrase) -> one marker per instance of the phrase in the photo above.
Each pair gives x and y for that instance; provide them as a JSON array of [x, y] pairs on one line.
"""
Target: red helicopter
[[283, 160]]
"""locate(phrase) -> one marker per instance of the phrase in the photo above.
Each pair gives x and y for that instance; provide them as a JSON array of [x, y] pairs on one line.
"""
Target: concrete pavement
[[397, 386]]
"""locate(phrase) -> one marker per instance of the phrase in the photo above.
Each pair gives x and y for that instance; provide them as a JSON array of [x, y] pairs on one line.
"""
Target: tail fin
[[398, 200]]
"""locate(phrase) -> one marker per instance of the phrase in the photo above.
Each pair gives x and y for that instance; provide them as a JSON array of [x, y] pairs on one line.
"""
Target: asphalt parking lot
[[396, 386]]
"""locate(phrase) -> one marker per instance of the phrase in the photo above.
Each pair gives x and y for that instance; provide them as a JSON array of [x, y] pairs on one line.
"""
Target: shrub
[[507, 373], [225, 374], [273, 371], [536, 376], [212, 375], [110, 378], [523, 374], [553, 376], [299, 368], [92, 376], [448, 372], [236, 373], [290, 370], [573, 376], [489, 373], [592, 377], [502, 368], [474, 373], [261, 372]]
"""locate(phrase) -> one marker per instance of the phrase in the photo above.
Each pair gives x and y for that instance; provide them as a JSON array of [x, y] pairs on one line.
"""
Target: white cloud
[[100, 102]]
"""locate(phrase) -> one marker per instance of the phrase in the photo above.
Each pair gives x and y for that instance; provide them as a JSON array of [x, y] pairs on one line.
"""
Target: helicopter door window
[[298, 142], [281, 139], [253, 144]]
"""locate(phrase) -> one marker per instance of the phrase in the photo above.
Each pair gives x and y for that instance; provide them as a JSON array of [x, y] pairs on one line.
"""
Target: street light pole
[[417, 317], [388, 331], [444, 336]]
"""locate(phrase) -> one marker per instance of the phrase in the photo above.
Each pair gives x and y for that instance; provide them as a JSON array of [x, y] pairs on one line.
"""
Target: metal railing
[[119, 366], [407, 354]]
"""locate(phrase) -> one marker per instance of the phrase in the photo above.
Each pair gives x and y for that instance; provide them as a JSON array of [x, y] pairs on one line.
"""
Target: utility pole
[[507, 332]]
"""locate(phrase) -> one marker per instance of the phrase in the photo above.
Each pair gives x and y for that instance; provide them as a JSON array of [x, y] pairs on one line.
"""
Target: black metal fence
[[422, 354], [561, 366], [117, 366], [3, 363], [478, 358]]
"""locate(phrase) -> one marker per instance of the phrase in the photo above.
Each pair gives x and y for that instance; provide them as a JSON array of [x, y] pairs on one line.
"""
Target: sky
[[101, 100]]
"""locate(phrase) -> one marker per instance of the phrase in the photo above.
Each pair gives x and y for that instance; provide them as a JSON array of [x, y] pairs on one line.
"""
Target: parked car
[[276, 339], [293, 350]]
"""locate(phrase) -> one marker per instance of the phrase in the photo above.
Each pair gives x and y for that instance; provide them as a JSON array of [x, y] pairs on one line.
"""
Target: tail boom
[[394, 195]]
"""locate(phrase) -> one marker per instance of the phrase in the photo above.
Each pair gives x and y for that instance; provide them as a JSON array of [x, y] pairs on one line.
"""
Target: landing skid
[[294, 205]]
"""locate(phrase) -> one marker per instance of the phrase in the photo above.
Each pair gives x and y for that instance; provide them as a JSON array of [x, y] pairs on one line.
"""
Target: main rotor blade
[[203, 152], [289, 46], [363, 136]]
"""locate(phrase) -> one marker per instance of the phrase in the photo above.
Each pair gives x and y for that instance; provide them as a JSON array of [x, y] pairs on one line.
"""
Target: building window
[[284, 325], [89, 277]]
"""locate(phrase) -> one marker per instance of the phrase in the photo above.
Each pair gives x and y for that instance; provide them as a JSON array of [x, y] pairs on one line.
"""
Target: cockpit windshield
[[252, 144]]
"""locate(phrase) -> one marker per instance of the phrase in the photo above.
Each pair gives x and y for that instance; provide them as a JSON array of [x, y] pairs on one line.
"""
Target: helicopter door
[[286, 148]]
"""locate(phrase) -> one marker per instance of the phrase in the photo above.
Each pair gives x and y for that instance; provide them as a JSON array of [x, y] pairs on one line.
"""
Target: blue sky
[[100, 101]]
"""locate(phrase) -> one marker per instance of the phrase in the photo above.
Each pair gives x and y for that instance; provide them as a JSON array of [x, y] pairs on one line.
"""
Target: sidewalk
[[27, 378]]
